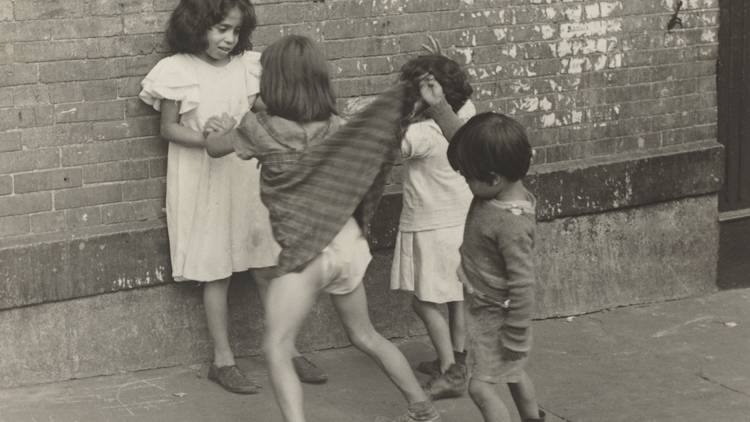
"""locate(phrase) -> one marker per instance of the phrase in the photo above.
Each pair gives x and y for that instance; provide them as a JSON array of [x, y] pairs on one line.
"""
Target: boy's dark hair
[[448, 73], [191, 19], [490, 144], [295, 83]]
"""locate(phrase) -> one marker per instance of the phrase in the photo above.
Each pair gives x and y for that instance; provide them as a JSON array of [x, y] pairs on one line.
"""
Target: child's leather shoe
[[307, 371], [232, 379], [451, 383], [539, 419], [423, 411]]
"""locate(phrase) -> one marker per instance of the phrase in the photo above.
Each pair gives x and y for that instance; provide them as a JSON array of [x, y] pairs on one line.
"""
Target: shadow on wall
[[734, 254]]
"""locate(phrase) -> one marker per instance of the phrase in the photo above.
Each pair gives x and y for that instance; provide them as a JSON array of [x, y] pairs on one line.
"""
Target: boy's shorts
[[483, 320], [345, 260]]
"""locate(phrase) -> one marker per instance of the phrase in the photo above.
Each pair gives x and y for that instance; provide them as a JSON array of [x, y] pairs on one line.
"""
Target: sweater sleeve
[[446, 118], [242, 137], [517, 251]]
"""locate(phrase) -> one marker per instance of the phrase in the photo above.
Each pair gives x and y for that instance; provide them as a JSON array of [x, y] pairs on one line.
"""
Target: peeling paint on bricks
[[589, 78]]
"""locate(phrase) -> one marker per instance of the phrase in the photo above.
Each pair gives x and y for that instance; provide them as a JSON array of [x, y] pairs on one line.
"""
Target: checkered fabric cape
[[341, 177]]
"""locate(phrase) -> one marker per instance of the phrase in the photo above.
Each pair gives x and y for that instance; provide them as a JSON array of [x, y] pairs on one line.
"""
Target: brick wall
[[79, 153]]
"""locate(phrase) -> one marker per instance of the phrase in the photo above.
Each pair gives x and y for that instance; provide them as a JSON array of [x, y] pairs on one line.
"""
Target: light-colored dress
[[216, 221], [435, 202]]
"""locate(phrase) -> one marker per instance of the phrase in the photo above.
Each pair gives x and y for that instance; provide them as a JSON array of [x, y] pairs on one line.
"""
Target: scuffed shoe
[[423, 411], [307, 371], [451, 383], [539, 419], [232, 379]]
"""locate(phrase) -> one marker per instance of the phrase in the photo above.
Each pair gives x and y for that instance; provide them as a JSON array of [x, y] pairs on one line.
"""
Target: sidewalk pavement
[[686, 361]]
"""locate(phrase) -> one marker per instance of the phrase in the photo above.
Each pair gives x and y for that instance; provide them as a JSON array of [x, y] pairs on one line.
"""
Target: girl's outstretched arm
[[171, 129]]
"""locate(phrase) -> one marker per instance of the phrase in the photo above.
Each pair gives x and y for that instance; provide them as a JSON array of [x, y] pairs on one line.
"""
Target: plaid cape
[[341, 177]]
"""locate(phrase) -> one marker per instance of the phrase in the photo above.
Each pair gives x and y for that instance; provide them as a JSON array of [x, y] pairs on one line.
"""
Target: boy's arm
[[517, 252], [439, 110], [219, 144], [446, 118], [238, 140]]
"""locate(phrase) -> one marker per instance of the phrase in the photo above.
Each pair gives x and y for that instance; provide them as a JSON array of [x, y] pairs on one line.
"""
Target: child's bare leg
[[215, 303], [289, 300], [352, 309], [307, 371], [524, 396], [437, 329], [262, 284], [487, 399], [457, 322]]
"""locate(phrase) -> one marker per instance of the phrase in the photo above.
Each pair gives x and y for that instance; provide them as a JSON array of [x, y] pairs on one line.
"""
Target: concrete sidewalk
[[686, 360]]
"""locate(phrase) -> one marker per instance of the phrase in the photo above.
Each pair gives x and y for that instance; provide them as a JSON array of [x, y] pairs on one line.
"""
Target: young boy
[[492, 152]]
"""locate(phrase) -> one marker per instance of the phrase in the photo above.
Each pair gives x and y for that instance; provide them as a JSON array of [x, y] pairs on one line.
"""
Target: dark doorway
[[733, 85]]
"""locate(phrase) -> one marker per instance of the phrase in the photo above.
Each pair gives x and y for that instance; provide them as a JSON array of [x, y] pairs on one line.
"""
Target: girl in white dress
[[436, 200], [217, 224]]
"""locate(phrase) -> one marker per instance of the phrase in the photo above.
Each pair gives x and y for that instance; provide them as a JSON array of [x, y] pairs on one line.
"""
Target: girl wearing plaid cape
[[320, 181]]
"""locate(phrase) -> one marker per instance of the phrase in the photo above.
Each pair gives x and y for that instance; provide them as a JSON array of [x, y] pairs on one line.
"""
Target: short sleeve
[[171, 79], [251, 61], [420, 139], [467, 111], [243, 140]]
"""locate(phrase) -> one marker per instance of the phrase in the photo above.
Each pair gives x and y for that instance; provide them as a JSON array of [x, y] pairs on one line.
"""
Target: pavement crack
[[556, 415], [704, 377]]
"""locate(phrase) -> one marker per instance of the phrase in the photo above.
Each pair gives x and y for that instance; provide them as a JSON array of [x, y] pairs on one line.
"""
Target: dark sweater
[[497, 252]]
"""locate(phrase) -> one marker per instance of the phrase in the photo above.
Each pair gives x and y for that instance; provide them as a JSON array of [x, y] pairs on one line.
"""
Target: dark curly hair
[[187, 27], [448, 73], [490, 144]]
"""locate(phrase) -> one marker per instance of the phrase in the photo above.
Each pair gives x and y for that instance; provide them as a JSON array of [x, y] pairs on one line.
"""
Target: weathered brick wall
[[79, 153]]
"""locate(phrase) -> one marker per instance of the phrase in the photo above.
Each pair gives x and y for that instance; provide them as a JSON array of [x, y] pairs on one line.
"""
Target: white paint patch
[[600, 63], [545, 104], [549, 120], [469, 2], [529, 104], [615, 61], [608, 7], [467, 52], [708, 35], [592, 11], [500, 33], [520, 87], [548, 31], [574, 13], [576, 116]]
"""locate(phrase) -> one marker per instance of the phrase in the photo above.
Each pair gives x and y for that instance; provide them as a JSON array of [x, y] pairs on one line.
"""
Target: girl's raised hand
[[430, 89]]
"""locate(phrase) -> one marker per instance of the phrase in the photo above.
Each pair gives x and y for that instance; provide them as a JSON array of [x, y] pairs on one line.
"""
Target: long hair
[[295, 83], [447, 72], [191, 19], [490, 144]]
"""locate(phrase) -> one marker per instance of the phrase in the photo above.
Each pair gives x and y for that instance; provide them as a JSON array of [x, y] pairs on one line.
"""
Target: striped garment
[[343, 176]]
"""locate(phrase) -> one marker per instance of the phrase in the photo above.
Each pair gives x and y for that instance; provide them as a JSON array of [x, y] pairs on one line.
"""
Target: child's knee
[[364, 339], [480, 391], [277, 345]]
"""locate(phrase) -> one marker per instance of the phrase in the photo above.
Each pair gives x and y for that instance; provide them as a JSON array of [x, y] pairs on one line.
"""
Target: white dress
[[436, 200], [217, 224]]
